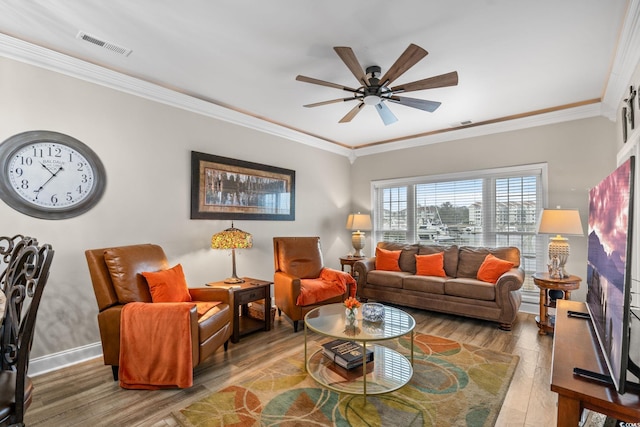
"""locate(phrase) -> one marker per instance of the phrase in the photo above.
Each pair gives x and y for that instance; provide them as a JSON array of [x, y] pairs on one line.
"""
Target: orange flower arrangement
[[351, 303]]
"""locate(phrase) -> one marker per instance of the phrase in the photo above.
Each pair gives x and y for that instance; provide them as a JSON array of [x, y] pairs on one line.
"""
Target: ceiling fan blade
[[385, 114], [421, 104], [331, 101], [352, 113], [323, 83], [350, 60], [408, 59], [443, 80]]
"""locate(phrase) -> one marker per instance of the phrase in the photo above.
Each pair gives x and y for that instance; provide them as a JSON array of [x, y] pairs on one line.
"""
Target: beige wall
[[145, 147], [578, 154]]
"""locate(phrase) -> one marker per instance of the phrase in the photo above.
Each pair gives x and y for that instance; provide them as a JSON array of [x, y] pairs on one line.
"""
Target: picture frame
[[225, 188]]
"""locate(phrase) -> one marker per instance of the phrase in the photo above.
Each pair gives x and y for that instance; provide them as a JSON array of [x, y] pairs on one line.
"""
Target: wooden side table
[[546, 283], [349, 260], [244, 293]]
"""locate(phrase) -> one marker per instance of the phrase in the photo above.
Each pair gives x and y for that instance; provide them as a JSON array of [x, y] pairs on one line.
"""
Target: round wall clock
[[50, 175]]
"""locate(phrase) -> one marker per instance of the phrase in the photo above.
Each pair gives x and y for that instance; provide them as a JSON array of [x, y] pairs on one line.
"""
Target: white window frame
[[538, 169]]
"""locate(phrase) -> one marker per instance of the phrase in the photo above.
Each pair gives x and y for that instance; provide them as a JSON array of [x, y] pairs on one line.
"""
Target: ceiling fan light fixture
[[372, 100]]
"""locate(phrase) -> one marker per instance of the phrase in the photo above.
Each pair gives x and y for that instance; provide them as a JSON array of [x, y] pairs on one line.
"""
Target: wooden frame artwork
[[224, 188]]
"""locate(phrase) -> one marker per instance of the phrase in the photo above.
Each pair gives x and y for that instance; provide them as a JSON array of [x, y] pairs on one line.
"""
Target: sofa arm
[[512, 280], [286, 289], [508, 296], [212, 294], [361, 268]]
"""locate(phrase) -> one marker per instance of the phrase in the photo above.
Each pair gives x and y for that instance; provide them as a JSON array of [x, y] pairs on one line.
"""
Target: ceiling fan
[[375, 90]]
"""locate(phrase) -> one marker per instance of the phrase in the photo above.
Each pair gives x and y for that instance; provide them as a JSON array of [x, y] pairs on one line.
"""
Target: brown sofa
[[117, 280], [459, 293]]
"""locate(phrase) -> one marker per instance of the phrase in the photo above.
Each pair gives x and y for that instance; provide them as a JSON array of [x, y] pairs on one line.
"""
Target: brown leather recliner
[[297, 258], [117, 280]]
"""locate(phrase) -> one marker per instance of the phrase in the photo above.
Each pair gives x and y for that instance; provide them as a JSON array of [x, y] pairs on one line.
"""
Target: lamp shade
[[560, 221], [359, 222], [231, 238]]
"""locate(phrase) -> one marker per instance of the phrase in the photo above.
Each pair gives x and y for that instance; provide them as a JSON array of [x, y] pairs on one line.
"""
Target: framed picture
[[224, 188]]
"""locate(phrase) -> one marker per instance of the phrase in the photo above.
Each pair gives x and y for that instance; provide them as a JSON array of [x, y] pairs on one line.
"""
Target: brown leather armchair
[[117, 280], [297, 258]]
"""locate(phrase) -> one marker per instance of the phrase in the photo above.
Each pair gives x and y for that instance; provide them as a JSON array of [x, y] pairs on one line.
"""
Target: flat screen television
[[609, 275]]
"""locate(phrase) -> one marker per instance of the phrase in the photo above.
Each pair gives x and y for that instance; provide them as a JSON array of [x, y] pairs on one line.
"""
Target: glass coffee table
[[389, 369]]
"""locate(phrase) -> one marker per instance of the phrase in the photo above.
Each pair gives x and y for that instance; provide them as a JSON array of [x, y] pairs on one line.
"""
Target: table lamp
[[358, 223], [558, 222], [232, 238]]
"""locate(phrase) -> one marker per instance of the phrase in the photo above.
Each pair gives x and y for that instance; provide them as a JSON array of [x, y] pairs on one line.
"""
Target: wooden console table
[[575, 345]]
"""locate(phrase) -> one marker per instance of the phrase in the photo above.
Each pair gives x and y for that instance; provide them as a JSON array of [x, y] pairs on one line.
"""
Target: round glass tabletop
[[330, 320]]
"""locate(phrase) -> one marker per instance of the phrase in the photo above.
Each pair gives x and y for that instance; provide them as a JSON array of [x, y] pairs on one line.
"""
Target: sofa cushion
[[387, 260], [125, 266], [168, 285], [430, 265], [450, 256], [428, 284], [407, 260], [471, 258], [492, 268], [470, 288], [389, 279]]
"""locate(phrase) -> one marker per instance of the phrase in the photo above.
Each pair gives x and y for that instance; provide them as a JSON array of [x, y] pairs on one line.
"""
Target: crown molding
[[569, 114], [22, 51], [626, 60]]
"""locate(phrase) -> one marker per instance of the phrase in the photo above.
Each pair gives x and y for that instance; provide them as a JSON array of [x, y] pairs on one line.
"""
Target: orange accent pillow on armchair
[[430, 265], [387, 260], [492, 268], [168, 285]]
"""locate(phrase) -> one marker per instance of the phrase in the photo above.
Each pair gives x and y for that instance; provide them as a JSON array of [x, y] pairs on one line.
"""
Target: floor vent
[[103, 44]]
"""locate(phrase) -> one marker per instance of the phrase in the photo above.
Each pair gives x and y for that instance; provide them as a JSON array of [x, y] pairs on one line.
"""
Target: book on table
[[347, 354]]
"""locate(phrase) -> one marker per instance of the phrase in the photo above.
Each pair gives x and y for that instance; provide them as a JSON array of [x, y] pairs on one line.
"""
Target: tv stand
[[575, 345]]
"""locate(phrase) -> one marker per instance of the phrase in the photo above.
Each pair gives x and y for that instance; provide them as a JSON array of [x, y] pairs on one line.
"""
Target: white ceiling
[[514, 58]]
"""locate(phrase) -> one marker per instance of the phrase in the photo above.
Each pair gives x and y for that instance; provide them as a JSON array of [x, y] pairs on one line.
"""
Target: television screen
[[609, 267]]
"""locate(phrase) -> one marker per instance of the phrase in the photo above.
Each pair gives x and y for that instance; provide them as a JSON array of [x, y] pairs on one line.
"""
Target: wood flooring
[[86, 395]]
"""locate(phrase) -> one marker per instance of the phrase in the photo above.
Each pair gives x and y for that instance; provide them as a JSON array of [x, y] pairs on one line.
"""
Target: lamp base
[[558, 256], [233, 280], [357, 240]]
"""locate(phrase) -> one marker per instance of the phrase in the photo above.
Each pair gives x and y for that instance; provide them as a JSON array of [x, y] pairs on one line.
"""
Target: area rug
[[454, 384]]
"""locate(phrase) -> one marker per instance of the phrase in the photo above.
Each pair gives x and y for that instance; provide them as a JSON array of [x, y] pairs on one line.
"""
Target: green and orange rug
[[453, 384]]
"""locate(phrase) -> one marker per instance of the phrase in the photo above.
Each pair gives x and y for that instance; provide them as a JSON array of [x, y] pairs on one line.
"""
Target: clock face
[[49, 175]]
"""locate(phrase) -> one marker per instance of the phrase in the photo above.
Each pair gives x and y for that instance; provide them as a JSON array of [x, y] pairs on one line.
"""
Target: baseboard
[[530, 305], [52, 362]]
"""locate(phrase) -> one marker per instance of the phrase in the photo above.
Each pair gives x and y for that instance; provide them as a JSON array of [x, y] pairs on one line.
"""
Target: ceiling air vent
[[103, 44], [462, 123]]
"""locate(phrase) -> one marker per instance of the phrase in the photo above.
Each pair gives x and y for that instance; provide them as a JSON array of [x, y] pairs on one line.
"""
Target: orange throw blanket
[[331, 283], [155, 346]]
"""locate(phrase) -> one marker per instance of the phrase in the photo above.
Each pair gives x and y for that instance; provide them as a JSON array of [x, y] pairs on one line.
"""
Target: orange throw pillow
[[492, 268], [430, 265], [168, 285], [387, 260]]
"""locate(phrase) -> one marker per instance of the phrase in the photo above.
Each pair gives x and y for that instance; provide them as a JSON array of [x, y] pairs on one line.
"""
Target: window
[[497, 207]]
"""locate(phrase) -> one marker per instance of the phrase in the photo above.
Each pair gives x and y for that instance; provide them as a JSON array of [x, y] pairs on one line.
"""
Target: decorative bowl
[[373, 312]]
